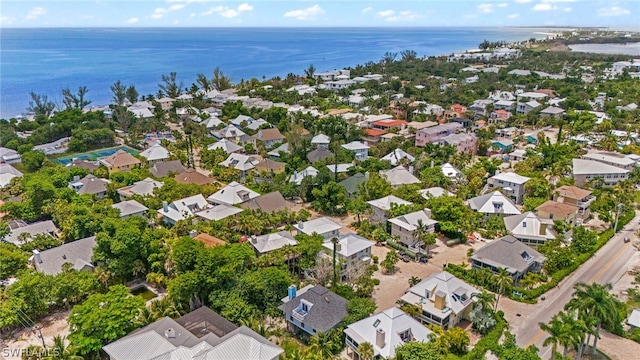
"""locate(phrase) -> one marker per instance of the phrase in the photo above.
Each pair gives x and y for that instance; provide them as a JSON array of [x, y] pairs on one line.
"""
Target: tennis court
[[94, 155]]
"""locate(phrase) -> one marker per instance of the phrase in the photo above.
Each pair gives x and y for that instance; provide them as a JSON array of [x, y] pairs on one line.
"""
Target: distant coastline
[[614, 49]]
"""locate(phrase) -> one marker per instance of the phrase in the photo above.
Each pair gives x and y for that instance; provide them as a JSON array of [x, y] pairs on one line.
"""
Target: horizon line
[[330, 27]]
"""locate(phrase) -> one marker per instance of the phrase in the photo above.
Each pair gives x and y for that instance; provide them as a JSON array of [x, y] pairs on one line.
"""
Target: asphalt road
[[606, 266]]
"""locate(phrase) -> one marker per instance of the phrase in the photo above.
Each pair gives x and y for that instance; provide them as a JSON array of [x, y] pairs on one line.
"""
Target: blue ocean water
[[48, 60]]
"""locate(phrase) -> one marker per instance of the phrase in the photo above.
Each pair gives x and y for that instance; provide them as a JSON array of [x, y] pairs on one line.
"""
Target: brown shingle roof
[[269, 165], [573, 192], [191, 176], [269, 134], [273, 201], [554, 207], [121, 158], [209, 241]]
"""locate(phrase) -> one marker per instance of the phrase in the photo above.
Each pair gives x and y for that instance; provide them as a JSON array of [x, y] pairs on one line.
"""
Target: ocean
[[48, 60]]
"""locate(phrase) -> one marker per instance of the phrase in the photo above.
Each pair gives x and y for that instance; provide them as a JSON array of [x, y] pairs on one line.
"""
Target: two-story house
[[350, 249], [405, 226], [495, 203], [611, 158], [444, 299], [120, 161], [511, 184], [509, 254], [585, 171], [530, 229], [435, 133], [360, 149], [313, 309], [379, 207], [465, 143], [575, 196], [321, 226]]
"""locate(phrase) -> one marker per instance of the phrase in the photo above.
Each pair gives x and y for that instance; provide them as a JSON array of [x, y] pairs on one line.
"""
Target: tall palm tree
[[502, 280], [321, 344], [485, 299], [365, 350], [61, 351], [594, 301], [555, 331]]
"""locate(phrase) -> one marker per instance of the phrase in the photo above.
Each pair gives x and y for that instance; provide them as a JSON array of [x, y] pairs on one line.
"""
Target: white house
[[435, 191], [297, 177], [385, 331], [232, 194], [445, 300], [398, 155], [241, 162], [225, 145], [382, 205], [530, 229], [494, 203], [270, 242], [587, 170], [511, 183], [321, 226], [155, 152], [399, 176], [321, 141], [144, 187], [350, 248], [217, 212], [404, 227], [451, 172], [361, 149], [183, 209], [130, 208]]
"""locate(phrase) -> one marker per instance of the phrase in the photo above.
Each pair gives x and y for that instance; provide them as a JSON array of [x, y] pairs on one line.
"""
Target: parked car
[[627, 239]]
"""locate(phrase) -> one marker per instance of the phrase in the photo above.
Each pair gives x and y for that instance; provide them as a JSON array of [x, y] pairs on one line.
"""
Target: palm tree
[[103, 275], [61, 351], [485, 299], [502, 280], [555, 331], [413, 281], [594, 301], [365, 350], [321, 344]]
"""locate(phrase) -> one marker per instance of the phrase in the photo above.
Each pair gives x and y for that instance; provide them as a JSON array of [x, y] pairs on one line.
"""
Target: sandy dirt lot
[[53, 325]]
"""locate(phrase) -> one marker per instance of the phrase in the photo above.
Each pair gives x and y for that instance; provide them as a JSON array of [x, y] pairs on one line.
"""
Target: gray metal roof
[[163, 168], [509, 253], [41, 227], [327, 311], [129, 207], [78, 253]]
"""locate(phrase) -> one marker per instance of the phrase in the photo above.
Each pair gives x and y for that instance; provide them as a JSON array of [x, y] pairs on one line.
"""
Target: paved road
[[606, 266]]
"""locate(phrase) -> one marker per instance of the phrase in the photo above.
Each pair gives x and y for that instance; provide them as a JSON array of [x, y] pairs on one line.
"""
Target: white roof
[[274, 241], [612, 157], [129, 207], [321, 139], [5, 178], [298, 176], [155, 152], [218, 212], [240, 162], [8, 169], [340, 168], [385, 202], [141, 112], [212, 122], [450, 171], [255, 125], [511, 177], [145, 187], [399, 176], [226, 145], [591, 167], [434, 192], [355, 145], [527, 226], [350, 244], [148, 345], [634, 318], [240, 118], [445, 284], [232, 194], [320, 226], [7, 152], [396, 155], [493, 203], [185, 208], [241, 346], [410, 221], [392, 321]]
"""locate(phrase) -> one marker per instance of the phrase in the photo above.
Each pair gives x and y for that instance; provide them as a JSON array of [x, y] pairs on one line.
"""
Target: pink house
[[436, 133], [464, 142]]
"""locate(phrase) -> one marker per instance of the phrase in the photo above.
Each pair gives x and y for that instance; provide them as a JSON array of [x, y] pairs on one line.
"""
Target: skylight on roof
[[376, 323]]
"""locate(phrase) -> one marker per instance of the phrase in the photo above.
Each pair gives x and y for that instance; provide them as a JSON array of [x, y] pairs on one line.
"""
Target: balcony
[[585, 203], [299, 314]]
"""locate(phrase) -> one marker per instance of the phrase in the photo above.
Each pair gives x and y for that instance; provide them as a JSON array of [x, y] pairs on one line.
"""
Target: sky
[[317, 13]]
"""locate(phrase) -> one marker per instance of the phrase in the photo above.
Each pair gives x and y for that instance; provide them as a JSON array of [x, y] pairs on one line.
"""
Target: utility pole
[[335, 271], [615, 228]]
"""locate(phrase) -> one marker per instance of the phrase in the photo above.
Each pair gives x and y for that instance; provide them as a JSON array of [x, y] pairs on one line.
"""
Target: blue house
[[313, 309], [503, 145]]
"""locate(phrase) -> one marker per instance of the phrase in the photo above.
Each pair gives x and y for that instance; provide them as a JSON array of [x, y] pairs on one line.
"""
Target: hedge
[[489, 341], [531, 296], [394, 245]]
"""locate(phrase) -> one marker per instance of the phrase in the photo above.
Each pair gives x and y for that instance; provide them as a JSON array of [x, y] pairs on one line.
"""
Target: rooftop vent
[[170, 333]]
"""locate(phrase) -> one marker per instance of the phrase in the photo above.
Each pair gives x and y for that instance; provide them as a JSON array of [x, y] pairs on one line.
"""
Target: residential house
[[552, 112], [155, 153], [518, 155], [351, 183], [502, 145], [313, 309], [399, 176], [165, 103], [509, 254], [511, 184], [164, 168], [130, 208], [360, 149], [321, 226], [526, 107], [479, 108], [19, 227], [435, 133], [611, 158], [380, 206], [530, 228], [445, 300], [580, 198], [270, 166], [585, 171], [373, 136], [389, 124], [494, 203], [297, 177], [321, 141], [230, 133], [451, 172], [182, 209], [434, 192], [144, 187], [634, 319], [319, 154], [267, 203], [9, 156], [269, 137], [232, 194], [398, 155], [554, 210], [120, 161], [499, 117], [241, 121], [505, 105], [351, 251], [226, 145], [275, 153], [192, 176], [217, 212], [270, 242], [404, 227], [201, 334], [386, 331], [466, 143], [240, 162], [78, 253], [89, 185], [84, 164], [455, 111]]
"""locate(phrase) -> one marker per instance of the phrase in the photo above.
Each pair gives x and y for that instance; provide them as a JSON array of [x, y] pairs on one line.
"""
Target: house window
[[524, 224], [551, 216], [304, 307], [302, 325]]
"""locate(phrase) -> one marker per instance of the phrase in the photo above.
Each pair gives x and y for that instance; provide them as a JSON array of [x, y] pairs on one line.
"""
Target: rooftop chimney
[[36, 256], [76, 178], [193, 233], [291, 291], [165, 206], [254, 239], [439, 302], [380, 335], [300, 225]]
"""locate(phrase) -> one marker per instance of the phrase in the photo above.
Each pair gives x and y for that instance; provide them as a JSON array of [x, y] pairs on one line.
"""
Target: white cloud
[[403, 16], [35, 13], [385, 13], [133, 20], [160, 12], [544, 7], [557, 1], [613, 11], [228, 12], [523, 1], [513, 16], [245, 7], [366, 10], [7, 20], [190, 1], [305, 14], [567, 9], [503, 5], [485, 8]]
